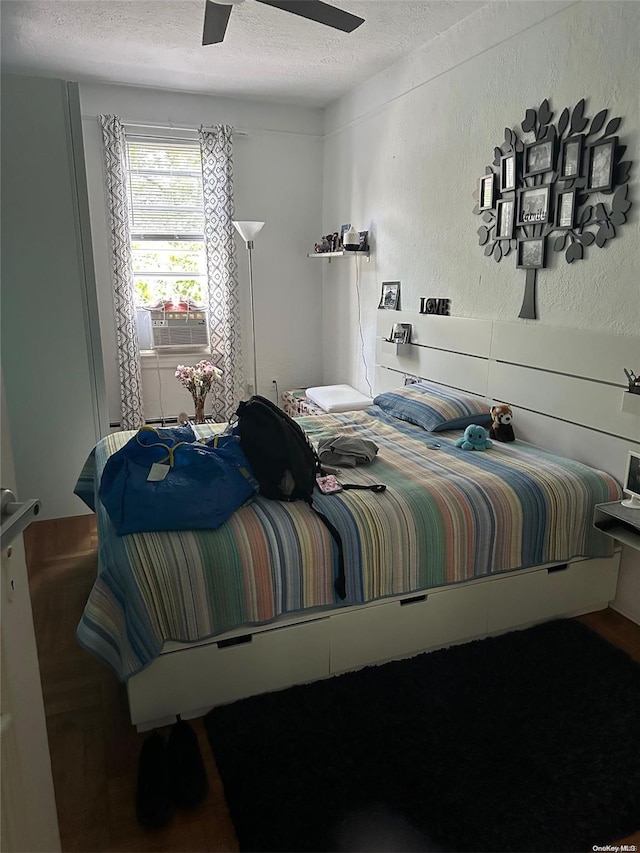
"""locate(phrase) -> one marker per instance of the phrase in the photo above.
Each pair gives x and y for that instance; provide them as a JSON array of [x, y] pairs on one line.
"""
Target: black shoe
[[153, 801], [188, 782]]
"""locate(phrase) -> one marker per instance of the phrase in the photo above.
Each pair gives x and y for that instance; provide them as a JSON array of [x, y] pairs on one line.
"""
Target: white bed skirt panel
[[190, 680]]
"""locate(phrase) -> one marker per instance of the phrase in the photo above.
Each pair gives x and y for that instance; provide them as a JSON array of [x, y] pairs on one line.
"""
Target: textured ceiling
[[267, 54]]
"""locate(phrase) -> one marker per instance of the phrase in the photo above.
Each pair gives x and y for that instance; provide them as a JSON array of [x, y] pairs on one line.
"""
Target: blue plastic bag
[[161, 480]]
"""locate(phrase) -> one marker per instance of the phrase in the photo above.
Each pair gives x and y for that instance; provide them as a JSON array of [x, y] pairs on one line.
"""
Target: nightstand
[[618, 522]]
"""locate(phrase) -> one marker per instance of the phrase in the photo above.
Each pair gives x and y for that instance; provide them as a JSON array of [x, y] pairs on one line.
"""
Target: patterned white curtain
[[126, 330], [222, 267]]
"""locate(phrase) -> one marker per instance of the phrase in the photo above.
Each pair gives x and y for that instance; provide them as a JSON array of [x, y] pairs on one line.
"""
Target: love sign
[[435, 306]]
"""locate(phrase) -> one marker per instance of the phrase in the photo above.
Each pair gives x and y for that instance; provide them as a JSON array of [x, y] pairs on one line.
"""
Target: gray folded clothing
[[346, 451]]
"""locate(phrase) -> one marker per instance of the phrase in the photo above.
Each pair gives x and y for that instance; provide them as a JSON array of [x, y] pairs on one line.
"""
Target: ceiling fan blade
[[323, 13], [216, 18]]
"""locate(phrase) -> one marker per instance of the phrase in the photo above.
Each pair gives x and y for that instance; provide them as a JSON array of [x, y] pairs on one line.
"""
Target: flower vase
[[199, 404]]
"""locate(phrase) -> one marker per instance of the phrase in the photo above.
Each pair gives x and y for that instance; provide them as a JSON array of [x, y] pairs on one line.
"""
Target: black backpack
[[281, 457], [283, 461]]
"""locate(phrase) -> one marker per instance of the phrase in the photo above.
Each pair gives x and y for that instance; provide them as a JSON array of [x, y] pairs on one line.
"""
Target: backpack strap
[[340, 583]]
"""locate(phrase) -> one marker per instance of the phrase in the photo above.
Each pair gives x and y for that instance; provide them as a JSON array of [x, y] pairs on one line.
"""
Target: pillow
[[338, 398], [434, 407]]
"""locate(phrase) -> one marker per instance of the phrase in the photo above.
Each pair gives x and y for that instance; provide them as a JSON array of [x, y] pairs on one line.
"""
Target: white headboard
[[566, 386]]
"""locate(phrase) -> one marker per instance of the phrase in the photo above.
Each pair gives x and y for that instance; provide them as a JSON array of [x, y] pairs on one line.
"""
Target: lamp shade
[[248, 230]]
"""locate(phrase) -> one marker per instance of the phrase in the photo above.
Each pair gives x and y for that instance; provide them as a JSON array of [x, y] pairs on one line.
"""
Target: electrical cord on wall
[[364, 360], [159, 387]]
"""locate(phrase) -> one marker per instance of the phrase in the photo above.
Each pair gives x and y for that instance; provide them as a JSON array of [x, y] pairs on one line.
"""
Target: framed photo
[[508, 173], [363, 245], [632, 481], [343, 230], [505, 218], [486, 192], [390, 297], [566, 209], [571, 156], [401, 333], [534, 205], [531, 254], [538, 157], [600, 162]]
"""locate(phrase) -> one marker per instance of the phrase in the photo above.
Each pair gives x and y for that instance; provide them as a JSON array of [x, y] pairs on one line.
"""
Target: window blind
[[165, 191]]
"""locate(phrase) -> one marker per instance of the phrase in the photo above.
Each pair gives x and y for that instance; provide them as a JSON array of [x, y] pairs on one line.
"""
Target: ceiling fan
[[217, 12]]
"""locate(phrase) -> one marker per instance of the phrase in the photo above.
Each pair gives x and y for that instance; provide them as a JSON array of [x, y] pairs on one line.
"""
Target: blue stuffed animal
[[474, 438]]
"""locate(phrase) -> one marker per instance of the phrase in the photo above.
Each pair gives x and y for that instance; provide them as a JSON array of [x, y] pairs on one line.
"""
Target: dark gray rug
[[525, 742]]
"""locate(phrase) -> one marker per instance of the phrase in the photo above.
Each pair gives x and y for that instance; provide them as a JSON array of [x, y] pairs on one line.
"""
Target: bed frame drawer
[[415, 624], [251, 664], [526, 597]]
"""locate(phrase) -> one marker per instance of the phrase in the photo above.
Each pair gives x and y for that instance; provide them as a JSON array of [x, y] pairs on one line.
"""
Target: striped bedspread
[[447, 516]]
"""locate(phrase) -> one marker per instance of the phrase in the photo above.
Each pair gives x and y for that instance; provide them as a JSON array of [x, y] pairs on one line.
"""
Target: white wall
[[278, 179], [404, 152]]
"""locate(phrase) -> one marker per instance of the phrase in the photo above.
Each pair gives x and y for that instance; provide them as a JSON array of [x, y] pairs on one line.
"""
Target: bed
[[461, 545]]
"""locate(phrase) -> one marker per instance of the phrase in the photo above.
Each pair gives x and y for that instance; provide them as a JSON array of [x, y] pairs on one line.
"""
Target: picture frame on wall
[[571, 156], [539, 157], [600, 163], [486, 192], [505, 218], [566, 209], [390, 296], [534, 205], [508, 173], [401, 333], [531, 254]]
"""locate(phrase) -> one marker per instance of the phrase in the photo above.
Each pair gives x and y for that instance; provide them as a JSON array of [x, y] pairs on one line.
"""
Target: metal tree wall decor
[[543, 192]]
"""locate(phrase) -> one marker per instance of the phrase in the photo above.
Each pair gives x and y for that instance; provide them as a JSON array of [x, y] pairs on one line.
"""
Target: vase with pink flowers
[[199, 381]]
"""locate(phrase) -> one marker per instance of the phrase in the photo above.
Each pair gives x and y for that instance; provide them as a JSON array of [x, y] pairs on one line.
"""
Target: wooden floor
[[94, 748]]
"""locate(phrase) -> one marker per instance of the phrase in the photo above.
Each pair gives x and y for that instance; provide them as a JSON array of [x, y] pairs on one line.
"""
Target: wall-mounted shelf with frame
[[395, 347], [340, 254]]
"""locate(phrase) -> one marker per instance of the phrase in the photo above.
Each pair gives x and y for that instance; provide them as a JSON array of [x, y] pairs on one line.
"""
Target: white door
[[29, 820]]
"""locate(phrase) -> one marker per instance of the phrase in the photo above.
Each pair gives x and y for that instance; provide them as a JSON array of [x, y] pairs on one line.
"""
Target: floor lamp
[[248, 230]]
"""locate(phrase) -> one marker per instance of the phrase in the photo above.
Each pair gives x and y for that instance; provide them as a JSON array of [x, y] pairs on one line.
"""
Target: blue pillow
[[434, 407]]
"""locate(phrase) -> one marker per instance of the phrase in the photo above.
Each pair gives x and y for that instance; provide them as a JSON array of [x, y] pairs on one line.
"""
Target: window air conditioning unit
[[173, 327]]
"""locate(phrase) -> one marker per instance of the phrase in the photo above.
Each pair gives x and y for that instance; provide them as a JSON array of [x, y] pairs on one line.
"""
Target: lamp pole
[[253, 321], [248, 231]]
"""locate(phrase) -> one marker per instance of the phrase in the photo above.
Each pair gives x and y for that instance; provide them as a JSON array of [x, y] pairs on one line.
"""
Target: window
[[164, 186]]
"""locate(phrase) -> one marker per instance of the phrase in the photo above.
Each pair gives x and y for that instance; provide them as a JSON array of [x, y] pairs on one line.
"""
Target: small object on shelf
[[351, 240], [633, 380], [390, 296], [400, 333]]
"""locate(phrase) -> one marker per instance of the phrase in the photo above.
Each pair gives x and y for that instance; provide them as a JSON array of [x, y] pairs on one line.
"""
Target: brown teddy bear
[[501, 429]]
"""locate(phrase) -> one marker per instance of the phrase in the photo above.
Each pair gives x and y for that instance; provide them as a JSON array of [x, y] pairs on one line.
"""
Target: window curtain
[[222, 267], [126, 331]]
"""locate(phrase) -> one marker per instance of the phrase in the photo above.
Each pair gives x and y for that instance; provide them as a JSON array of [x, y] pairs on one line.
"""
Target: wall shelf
[[394, 348], [618, 522], [341, 254]]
